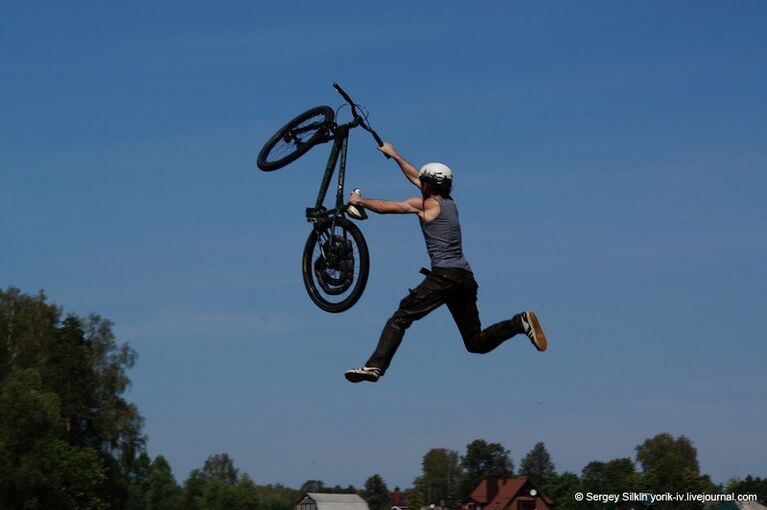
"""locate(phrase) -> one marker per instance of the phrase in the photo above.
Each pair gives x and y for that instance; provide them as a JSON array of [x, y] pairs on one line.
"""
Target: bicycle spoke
[[293, 139]]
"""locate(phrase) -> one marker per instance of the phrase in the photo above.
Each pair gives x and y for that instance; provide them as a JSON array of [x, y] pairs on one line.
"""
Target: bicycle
[[335, 263]]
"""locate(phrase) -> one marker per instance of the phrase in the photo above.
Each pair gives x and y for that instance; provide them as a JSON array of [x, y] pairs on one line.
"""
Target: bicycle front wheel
[[335, 265], [295, 138]]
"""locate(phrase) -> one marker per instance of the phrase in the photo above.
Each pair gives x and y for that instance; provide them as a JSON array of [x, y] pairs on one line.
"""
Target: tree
[[376, 493], [223, 487], [276, 497], [138, 482], [220, 467], [749, 485], [312, 486], [162, 491], [194, 489], [562, 488], [615, 476], [68, 367], [219, 495], [38, 469], [27, 324], [441, 474], [483, 460], [671, 465], [414, 499], [537, 465], [664, 451], [337, 489], [79, 478], [220, 486], [79, 361], [246, 494]]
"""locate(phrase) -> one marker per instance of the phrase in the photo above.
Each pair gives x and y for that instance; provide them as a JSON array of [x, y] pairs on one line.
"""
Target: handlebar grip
[[379, 141]]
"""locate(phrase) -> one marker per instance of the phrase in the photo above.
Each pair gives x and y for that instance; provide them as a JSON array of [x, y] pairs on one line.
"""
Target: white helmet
[[436, 172]]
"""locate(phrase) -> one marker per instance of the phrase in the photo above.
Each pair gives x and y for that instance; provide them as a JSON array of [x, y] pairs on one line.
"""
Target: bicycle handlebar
[[359, 118], [346, 98]]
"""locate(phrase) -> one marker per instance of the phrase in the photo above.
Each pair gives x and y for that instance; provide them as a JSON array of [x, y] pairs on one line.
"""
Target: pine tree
[[440, 478], [537, 465], [376, 493]]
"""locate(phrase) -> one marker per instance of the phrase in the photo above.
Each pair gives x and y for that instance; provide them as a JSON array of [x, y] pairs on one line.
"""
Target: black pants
[[456, 288]]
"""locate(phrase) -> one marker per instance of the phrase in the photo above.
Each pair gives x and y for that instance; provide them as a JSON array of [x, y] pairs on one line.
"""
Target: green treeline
[[69, 440], [663, 464]]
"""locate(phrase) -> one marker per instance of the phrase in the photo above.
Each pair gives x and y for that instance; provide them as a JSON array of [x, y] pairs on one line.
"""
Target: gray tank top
[[443, 237]]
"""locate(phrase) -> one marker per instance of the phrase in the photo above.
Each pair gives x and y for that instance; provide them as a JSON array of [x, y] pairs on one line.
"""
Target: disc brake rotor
[[334, 267]]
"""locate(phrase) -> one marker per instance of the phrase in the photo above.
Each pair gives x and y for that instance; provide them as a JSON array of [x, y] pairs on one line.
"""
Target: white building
[[321, 501]]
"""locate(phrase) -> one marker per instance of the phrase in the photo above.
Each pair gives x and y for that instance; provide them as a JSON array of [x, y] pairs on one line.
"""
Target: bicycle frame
[[337, 157], [340, 139]]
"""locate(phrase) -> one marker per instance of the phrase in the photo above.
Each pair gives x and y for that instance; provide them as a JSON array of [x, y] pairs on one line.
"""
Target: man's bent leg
[[463, 308], [482, 342]]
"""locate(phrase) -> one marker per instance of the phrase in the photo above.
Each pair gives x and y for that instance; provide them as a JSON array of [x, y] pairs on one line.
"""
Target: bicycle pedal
[[313, 213]]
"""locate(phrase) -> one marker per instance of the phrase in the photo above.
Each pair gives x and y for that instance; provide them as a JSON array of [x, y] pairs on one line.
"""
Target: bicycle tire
[[309, 269], [294, 139]]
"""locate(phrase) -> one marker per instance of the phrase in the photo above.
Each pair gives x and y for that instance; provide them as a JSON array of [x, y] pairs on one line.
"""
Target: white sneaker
[[534, 331], [371, 374]]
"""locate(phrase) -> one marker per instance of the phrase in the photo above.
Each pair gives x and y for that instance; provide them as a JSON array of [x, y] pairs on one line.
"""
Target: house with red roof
[[507, 494], [397, 499]]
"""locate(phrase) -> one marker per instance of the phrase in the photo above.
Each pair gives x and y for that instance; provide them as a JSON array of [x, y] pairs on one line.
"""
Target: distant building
[[322, 501], [397, 499], [507, 494]]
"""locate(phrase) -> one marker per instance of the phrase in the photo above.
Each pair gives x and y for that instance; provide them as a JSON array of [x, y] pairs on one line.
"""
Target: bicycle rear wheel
[[335, 265], [295, 138]]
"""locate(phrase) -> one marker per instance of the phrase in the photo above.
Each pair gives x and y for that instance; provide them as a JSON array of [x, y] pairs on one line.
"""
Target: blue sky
[[609, 162]]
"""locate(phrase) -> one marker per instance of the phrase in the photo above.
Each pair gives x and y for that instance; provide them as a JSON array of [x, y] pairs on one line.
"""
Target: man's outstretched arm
[[411, 172], [427, 210], [381, 206]]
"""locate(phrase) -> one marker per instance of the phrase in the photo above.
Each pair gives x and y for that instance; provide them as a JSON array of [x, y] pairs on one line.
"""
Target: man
[[450, 280]]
